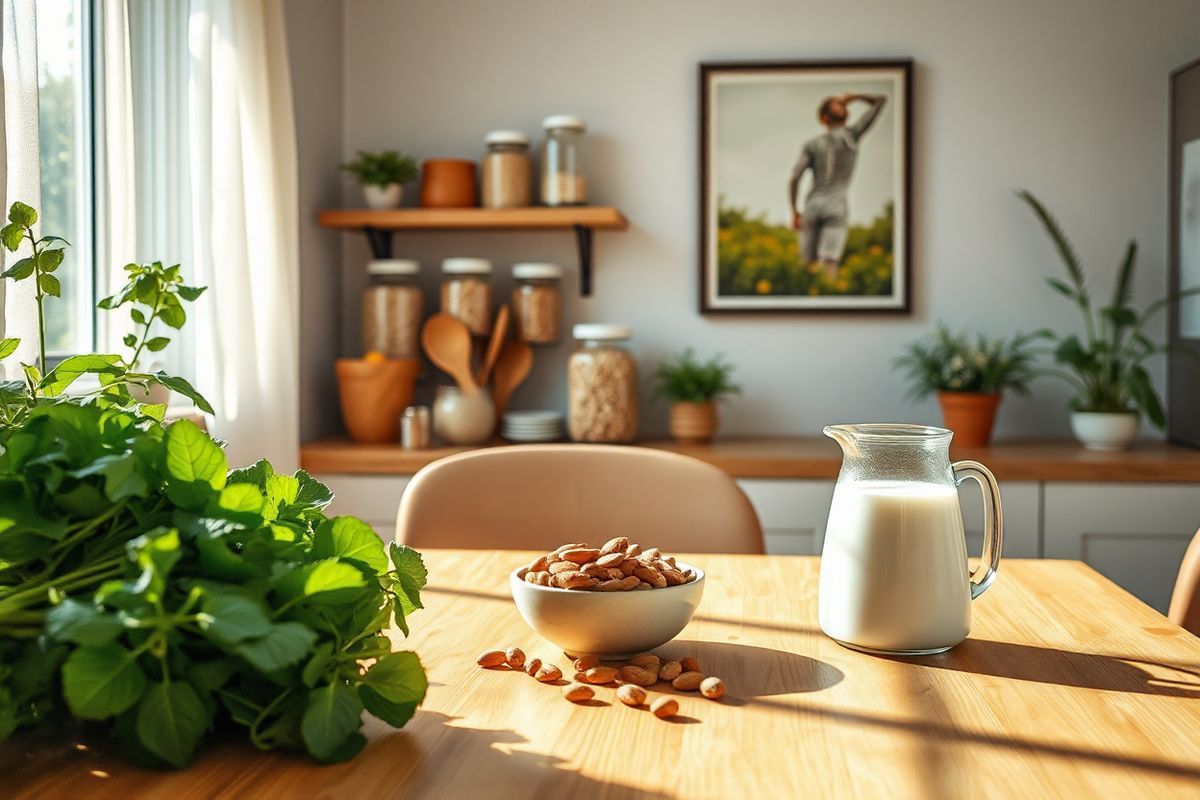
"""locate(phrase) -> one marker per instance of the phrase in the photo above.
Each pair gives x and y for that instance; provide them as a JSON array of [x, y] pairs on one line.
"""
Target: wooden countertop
[[1067, 687], [818, 457]]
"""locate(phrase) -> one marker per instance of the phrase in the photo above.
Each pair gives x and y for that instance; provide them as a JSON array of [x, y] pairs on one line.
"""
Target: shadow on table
[[751, 671], [1024, 662]]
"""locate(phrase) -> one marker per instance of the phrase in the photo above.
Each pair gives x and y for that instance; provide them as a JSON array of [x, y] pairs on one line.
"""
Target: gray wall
[[1068, 98]]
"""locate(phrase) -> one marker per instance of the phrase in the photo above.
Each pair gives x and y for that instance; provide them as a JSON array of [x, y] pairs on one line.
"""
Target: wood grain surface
[[818, 457], [1068, 687]]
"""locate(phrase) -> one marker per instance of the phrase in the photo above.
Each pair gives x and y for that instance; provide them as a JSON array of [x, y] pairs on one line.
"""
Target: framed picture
[[1183, 328], [805, 176]]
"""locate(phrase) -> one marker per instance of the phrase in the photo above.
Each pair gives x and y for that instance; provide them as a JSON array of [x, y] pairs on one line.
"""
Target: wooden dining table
[[1067, 687]]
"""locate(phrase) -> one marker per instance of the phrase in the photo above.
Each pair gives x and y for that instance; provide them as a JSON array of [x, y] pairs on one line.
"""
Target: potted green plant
[[694, 387], [969, 377], [382, 176], [1105, 366], [154, 594]]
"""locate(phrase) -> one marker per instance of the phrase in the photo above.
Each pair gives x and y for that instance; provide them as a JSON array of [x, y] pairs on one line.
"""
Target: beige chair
[[536, 497], [1185, 600]]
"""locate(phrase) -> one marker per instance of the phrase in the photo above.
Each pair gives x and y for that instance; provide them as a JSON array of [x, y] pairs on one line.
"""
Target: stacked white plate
[[532, 426]]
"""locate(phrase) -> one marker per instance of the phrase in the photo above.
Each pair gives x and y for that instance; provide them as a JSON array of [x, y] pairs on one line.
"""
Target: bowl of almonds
[[611, 601]]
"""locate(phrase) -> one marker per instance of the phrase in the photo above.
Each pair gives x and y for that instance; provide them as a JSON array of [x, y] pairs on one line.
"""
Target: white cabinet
[[792, 513], [372, 498], [1134, 533], [1020, 502]]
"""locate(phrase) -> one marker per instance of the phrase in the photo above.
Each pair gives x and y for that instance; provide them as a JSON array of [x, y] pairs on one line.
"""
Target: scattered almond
[[689, 664], [548, 673], [584, 663], [533, 666], [670, 671], [514, 657], [639, 675], [492, 658], [688, 681], [712, 688], [578, 692], [600, 675], [665, 707], [631, 695], [645, 660]]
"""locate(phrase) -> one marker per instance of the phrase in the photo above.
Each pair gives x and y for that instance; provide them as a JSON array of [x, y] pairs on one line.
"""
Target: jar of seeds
[[507, 171], [537, 303], [391, 308], [563, 181], [602, 398], [467, 292]]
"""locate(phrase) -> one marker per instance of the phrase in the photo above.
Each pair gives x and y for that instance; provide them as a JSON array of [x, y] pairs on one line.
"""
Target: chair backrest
[[1185, 600], [537, 497]]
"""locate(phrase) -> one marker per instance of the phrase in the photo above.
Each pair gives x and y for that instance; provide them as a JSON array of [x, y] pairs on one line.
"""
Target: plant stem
[[37, 285], [146, 331]]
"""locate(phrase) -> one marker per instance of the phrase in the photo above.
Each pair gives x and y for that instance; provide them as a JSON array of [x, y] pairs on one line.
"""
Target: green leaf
[[137, 316], [332, 715], [316, 665], [327, 582], [12, 234], [129, 340], [255, 474], [195, 463], [171, 312], [157, 343], [8, 346], [241, 502], [100, 681], [81, 623], [180, 385], [1142, 389], [69, 369], [312, 494], [50, 260], [21, 270], [233, 618], [411, 575], [123, 476], [23, 215], [156, 552], [1071, 351], [1120, 317], [351, 539], [50, 285], [171, 720], [191, 293], [394, 687], [283, 645]]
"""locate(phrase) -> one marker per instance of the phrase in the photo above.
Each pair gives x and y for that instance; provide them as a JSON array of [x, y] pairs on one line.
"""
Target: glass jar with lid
[[392, 306], [507, 170], [563, 181], [537, 303], [467, 292], [602, 397]]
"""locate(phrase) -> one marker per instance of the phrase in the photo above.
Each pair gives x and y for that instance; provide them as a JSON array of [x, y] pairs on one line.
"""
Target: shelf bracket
[[380, 241], [583, 238]]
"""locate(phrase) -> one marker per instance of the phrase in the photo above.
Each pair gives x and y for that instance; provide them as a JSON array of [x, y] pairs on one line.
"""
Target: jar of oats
[[537, 303], [467, 292], [507, 170], [563, 182], [602, 398], [391, 308]]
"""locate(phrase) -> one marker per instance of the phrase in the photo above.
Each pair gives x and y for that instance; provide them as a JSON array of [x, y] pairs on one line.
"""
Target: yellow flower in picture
[[763, 286], [875, 250]]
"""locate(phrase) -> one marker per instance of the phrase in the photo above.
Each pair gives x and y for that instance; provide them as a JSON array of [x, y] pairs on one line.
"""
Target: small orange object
[[374, 357]]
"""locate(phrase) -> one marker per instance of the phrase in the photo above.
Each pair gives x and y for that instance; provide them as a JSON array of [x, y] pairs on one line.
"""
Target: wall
[[1066, 98]]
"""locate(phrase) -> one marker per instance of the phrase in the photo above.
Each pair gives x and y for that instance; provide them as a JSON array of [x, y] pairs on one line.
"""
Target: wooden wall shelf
[[379, 225]]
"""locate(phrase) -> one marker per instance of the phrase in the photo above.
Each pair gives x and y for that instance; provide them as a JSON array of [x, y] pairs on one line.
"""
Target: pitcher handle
[[993, 522]]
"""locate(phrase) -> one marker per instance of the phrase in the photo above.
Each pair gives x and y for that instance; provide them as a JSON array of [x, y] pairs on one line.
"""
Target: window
[[65, 127]]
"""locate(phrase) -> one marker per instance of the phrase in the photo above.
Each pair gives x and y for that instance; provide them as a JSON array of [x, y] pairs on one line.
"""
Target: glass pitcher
[[894, 576]]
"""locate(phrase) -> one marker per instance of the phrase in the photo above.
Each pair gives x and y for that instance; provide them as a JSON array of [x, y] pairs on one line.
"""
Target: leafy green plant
[[381, 169], [952, 362], [46, 256], [1105, 367], [689, 380], [159, 290], [148, 588]]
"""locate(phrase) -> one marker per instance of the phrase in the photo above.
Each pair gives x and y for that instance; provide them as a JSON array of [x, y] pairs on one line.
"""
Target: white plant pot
[[383, 196], [1106, 432]]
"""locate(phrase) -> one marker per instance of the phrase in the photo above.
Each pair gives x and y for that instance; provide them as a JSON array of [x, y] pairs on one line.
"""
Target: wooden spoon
[[499, 332], [447, 342], [512, 368]]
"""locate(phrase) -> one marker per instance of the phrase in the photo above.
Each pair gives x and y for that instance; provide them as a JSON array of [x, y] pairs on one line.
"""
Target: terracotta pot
[[372, 394], [694, 423], [448, 183], [970, 415]]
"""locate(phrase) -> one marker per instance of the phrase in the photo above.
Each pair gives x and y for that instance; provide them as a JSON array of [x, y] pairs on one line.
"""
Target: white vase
[[1106, 432], [383, 196]]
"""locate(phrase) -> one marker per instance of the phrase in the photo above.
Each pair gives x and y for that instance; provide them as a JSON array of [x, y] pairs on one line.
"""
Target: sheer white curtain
[[20, 173]]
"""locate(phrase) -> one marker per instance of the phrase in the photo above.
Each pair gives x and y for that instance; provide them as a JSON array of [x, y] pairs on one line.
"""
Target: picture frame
[[834, 138], [1183, 318]]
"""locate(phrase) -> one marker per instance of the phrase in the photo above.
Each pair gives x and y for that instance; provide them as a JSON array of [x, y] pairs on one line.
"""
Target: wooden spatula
[[516, 359], [447, 342], [499, 333]]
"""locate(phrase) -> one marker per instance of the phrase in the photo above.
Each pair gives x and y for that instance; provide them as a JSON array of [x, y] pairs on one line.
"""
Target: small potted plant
[[694, 387], [969, 377], [382, 176], [1105, 368]]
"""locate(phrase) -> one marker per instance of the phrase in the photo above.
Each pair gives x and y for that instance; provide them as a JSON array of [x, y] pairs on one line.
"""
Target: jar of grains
[[507, 170], [602, 386], [467, 293], [563, 183], [537, 302], [391, 308]]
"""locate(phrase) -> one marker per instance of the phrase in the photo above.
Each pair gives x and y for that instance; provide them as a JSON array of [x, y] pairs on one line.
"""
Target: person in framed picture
[[825, 221]]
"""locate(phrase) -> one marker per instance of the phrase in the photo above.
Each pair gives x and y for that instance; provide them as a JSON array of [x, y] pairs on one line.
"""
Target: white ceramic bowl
[[608, 624]]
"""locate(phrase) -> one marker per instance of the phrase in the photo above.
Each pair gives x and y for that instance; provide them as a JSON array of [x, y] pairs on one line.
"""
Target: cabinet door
[[792, 513], [1019, 501], [372, 498], [1135, 534]]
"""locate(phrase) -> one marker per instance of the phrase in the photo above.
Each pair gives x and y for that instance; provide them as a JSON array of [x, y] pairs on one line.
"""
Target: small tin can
[[415, 428]]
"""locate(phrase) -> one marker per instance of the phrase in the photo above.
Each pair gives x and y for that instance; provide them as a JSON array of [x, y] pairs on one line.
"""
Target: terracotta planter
[[694, 423], [970, 415], [372, 394], [448, 183]]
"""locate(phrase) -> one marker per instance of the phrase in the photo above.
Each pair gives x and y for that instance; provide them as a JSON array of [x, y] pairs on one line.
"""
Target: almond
[[492, 658], [548, 673], [652, 553], [543, 578], [688, 681], [620, 543], [539, 564], [628, 565], [633, 551], [669, 671], [522, 573], [665, 707], [574, 580], [639, 675], [712, 688], [645, 660], [670, 560], [642, 584], [578, 692], [584, 663], [594, 570], [599, 675], [579, 677], [646, 572], [610, 560], [580, 555], [632, 582], [689, 664], [609, 586], [533, 666], [529, 577], [558, 551], [562, 566], [673, 577], [631, 695], [514, 657]]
